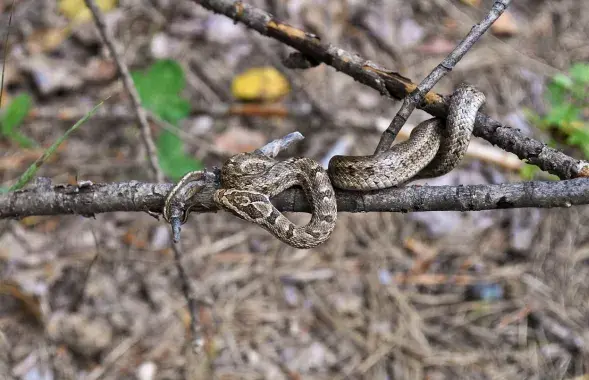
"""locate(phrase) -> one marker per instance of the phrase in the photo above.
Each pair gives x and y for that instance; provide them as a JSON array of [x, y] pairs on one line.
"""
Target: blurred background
[[433, 295]]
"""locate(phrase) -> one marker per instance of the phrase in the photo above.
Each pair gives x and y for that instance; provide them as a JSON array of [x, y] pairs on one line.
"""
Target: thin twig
[[6, 50], [145, 131], [191, 300], [273, 148], [394, 85], [416, 97], [140, 196], [79, 297]]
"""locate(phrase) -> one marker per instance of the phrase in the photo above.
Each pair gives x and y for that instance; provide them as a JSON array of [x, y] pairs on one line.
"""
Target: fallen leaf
[[131, 239], [472, 3], [6, 98], [52, 74], [237, 140], [505, 26], [76, 10], [437, 45], [99, 70], [30, 302], [46, 40], [12, 73], [260, 83]]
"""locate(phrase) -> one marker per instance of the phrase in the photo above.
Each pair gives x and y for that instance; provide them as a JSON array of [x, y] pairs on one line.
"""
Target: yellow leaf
[[76, 9], [260, 83], [44, 40], [472, 3]]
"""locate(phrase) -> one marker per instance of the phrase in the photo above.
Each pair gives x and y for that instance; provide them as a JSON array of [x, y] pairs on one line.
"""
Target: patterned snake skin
[[249, 180]]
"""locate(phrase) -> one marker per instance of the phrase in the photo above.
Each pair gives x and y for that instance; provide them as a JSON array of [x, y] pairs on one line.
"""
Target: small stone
[[146, 371], [410, 33], [223, 30], [82, 335]]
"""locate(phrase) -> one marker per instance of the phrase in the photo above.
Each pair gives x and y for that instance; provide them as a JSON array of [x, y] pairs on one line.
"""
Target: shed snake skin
[[249, 180]]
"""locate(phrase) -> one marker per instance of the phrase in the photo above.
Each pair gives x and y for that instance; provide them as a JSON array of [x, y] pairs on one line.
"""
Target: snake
[[434, 148]]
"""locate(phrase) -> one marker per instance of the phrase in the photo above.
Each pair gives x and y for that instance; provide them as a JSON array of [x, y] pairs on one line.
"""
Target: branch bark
[[417, 96], [91, 199], [394, 85]]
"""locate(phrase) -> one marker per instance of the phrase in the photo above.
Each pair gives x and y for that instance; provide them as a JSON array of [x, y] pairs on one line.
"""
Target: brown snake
[[249, 180]]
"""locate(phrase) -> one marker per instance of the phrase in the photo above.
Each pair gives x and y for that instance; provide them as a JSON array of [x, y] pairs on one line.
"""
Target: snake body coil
[[249, 180], [433, 149]]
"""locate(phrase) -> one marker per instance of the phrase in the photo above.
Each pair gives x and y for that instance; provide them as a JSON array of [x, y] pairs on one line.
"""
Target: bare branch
[[140, 196], [146, 136], [191, 301], [394, 85], [416, 97]]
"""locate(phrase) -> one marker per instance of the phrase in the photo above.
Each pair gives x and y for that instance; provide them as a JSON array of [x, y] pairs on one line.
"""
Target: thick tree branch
[[90, 199], [394, 85]]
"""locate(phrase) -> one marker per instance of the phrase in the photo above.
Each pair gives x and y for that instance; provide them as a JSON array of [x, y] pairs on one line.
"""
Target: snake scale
[[249, 180]]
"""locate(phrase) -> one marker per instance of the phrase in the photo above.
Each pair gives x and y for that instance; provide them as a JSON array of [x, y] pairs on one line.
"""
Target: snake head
[[249, 205]]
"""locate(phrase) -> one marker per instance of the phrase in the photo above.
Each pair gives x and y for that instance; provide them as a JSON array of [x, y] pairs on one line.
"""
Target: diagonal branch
[[140, 113], [394, 85], [416, 97], [90, 199]]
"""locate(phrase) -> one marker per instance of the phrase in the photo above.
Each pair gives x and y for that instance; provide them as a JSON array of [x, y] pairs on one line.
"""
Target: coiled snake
[[249, 180]]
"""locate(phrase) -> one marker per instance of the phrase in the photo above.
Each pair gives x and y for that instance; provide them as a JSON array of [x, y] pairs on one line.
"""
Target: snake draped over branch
[[249, 180]]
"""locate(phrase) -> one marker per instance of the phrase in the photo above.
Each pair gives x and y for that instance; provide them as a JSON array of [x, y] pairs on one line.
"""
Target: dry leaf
[[76, 10], [505, 26], [46, 40], [237, 140], [472, 3], [29, 301], [99, 70], [260, 83], [438, 45]]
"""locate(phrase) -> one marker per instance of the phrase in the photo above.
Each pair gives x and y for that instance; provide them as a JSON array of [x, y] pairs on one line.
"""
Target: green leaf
[[562, 114], [14, 115], [556, 94], [562, 81], [167, 75], [580, 138], [30, 172], [528, 172], [580, 73], [22, 140], [159, 87], [174, 162], [172, 109]]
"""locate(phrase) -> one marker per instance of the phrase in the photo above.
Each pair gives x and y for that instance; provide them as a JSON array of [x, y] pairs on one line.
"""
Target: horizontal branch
[[90, 199], [394, 85]]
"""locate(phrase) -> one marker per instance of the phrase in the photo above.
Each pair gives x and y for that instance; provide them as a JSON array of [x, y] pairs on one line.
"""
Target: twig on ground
[[570, 339], [191, 301], [6, 51], [394, 85], [79, 297], [146, 136], [417, 95], [140, 196]]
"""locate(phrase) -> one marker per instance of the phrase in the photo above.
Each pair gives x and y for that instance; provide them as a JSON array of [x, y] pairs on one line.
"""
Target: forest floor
[[434, 295]]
